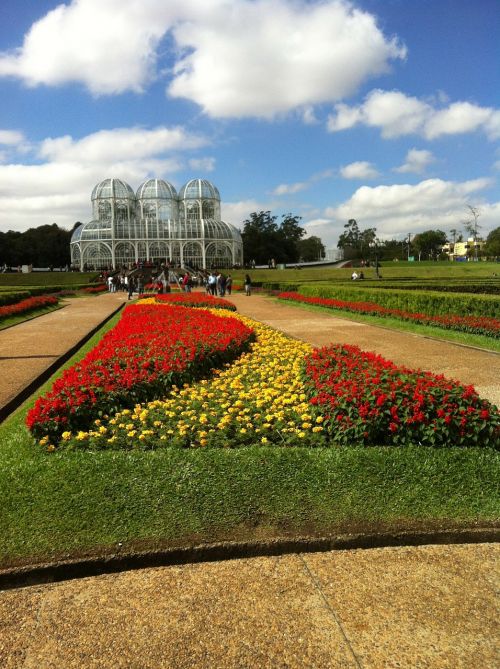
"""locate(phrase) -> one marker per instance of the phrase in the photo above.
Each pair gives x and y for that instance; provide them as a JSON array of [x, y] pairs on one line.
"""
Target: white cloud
[[359, 170], [237, 212], [233, 58], [206, 164], [11, 137], [289, 189], [402, 208], [416, 161], [58, 189], [397, 114], [267, 57]]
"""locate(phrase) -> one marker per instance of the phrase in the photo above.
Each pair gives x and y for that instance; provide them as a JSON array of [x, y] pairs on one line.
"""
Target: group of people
[[355, 276], [219, 284]]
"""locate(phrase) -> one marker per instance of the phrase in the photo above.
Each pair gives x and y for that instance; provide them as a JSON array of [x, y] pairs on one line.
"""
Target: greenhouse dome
[[155, 225]]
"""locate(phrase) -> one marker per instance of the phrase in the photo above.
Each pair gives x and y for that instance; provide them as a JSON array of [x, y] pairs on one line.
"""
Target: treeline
[[45, 246], [265, 240]]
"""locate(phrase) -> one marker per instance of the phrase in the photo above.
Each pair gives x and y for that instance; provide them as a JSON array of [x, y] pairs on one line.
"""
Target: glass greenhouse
[[156, 225]]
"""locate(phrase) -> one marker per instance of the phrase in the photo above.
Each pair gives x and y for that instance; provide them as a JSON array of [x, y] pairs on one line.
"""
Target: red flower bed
[[368, 400], [29, 304], [149, 350], [474, 324], [196, 300], [101, 288]]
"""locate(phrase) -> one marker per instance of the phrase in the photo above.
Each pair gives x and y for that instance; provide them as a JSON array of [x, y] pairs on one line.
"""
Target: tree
[[41, 247], [264, 239], [356, 239], [429, 243], [472, 226], [492, 247], [310, 249]]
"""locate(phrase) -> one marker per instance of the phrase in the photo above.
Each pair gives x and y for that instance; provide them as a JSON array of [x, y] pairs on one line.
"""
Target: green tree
[[429, 243], [492, 247], [264, 239], [310, 249], [355, 241]]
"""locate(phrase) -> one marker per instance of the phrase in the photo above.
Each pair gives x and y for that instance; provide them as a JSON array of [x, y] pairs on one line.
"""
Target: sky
[[385, 111]]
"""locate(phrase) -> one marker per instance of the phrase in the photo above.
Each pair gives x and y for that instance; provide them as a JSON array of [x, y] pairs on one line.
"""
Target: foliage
[[310, 249], [356, 239], [429, 243], [418, 301], [264, 239], [368, 400], [41, 247], [489, 327], [150, 349], [492, 247]]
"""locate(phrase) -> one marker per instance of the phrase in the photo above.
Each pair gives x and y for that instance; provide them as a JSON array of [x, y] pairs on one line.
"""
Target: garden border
[[66, 570]]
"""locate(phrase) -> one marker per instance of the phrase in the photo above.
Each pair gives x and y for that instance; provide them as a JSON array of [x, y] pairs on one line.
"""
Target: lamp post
[[374, 246]]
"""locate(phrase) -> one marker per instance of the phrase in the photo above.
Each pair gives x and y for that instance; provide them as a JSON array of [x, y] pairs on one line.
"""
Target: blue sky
[[386, 111]]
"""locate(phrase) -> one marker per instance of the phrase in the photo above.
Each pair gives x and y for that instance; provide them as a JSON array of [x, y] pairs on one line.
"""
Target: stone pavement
[[414, 608], [30, 349], [424, 607]]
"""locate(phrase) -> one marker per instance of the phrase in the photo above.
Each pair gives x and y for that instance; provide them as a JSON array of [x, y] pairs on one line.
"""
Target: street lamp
[[374, 246]]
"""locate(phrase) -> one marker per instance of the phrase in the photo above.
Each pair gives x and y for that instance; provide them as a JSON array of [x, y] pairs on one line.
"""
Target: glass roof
[[197, 189], [77, 233], [156, 189], [112, 188]]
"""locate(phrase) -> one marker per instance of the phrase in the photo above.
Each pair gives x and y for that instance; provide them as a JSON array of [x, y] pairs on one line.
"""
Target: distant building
[[463, 251], [156, 225]]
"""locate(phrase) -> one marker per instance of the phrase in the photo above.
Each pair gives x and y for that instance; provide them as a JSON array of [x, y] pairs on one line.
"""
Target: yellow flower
[[66, 436]]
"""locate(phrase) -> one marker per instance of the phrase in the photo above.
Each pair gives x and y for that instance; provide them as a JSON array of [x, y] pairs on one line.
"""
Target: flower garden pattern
[[27, 305], [151, 348]]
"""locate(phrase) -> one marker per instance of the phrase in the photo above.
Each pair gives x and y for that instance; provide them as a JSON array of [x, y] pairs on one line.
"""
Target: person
[[229, 284], [248, 285], [131, 286], [361, 275], [354, 275]]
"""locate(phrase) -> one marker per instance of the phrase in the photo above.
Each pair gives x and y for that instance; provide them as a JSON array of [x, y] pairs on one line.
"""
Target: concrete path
[[426, 607], [29, 349]]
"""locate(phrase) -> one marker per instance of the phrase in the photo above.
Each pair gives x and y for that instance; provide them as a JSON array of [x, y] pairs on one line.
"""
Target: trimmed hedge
[[431, 303]]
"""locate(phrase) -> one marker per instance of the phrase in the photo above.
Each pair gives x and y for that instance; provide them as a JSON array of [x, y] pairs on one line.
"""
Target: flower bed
[[27, 305], [368, 400], [481, 325], [196, 300], [150, 349], [259, 398], [91, 290]]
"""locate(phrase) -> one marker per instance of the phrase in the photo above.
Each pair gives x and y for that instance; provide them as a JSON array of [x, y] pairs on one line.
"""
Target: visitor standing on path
[[248, 285]]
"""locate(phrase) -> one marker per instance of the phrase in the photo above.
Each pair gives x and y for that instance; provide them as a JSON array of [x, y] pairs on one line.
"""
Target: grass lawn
[[32, 279], [389, 270], [85, 503]]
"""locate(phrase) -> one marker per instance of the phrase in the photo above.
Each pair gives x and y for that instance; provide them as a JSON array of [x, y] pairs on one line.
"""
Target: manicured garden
[[251, 436]]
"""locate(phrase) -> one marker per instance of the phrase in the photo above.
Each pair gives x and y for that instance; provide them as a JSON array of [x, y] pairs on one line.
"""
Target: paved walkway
[[426, 607]]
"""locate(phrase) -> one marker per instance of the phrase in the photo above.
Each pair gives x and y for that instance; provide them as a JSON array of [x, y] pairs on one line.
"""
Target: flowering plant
[[482, 325], [101, 288], [368, 400], [27, 305], [196, 300], [149, 350]]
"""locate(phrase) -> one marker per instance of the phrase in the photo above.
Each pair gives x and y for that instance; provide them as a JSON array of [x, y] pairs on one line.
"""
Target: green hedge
[[432, 303], [11, 297]]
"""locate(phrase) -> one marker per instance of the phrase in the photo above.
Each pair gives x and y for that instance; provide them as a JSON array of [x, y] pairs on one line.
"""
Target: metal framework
[[156, 225]]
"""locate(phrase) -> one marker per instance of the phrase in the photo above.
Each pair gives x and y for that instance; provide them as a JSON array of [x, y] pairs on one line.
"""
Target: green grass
[[389, 271], [464, 338], [27, 281], [84, 503]]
